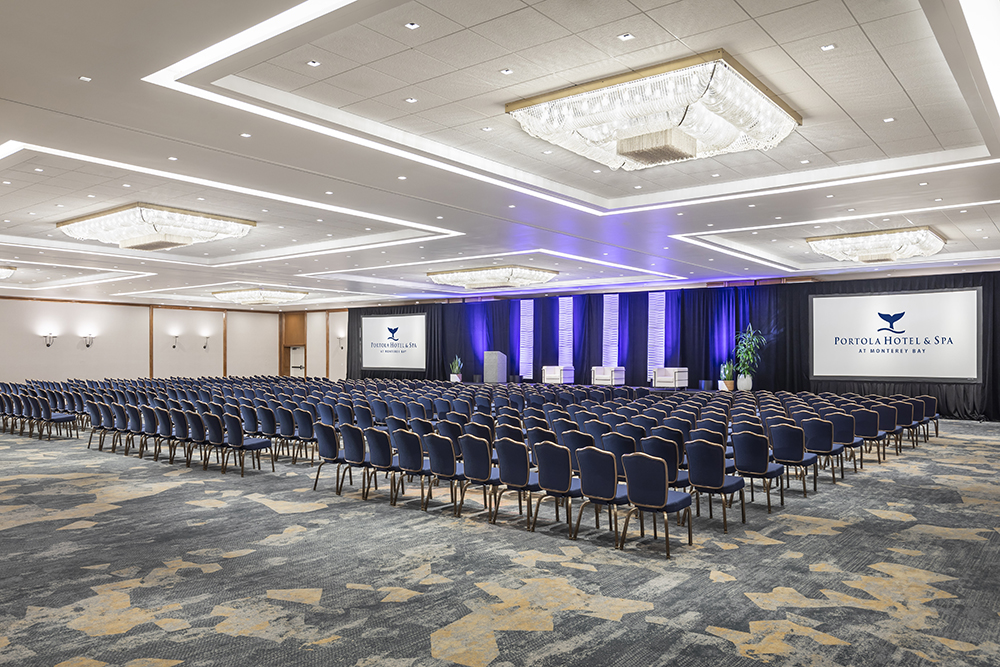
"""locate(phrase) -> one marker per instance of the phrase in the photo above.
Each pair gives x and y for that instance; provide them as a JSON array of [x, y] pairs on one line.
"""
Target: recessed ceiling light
[[263, 210], [59, 206], [30, 213], [487, 129], [512, 206], [313, 63], [319, 219], [39, 169], [828, 47], [681, 213], [803, 161], [711, 224], [986, 237], [711, 259], [829, 196], [440, 217], [506, 70], [411, 100], [411, 25], [201, 199], [401, 178], [171, 158], [715, 175], [938, 199], [246, 135], [91, 196], [777, 217], [816, 226], [963, 211], [126, 185], [368, 229], [328, 192], [921, 184], [888, 120], [637, 187], [753, 232], [6, 182], [751, 205], [546, 152], [597, 171], [850, 209], [626, 36], [885, 219], [979, 230], [666, 247], [86, 79]]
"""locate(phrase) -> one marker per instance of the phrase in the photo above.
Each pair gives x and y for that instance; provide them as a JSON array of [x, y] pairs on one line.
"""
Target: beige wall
[[316, 344], [252, 344], [338, 357]]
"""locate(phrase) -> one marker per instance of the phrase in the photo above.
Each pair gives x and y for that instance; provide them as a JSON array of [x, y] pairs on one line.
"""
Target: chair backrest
[[380, 409], [327, 442], [345, 413], [214, 431], [457, 417], [613, 419], [646, 422], [662, 448], [411, 455], [353, 441], [447, 428], [647, 480], [195, 426], [555, 467], [439, 449], [788, 443], [477, 457], [930, 406], [619, 445], [752, 425], [865, 422], [164, 427], [598, 473], [918, 409], [843, 427], [750, 452], [818, 435], [537, 435], [234, 430], [363, 417], [514, 461], [485, 420], [707, 434], [512, 432], [597, 429], [576, 440], [416, 410], [148, 420], [886, 417], [633, 431], [286, 422], [479, 431], [267, 423], [379, 448], [706, 464], [249, 416], [121, 419], [680, 424], [304, 422], [904, 412]]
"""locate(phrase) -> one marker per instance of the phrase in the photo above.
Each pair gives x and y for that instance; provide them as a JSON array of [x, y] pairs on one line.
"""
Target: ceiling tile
[[654, 55], [563, 54], [452, 115], [522, 70], [691, 17], [538, 86], [912, 146], [898, 29], [960, 138], [521, 30], [645, 31], [329, 95], [808, 20], [858, 154], [412, 66], [463, 48], [838, 135], [737, 39], [297, 61], [577, 15], [593, 71], [275, 77], [866, 10], [415, 125], [374, 110], [472, 13], [424, 99], [366, 82], [392, 24], [457, 86], [360, 44], [762, 7]]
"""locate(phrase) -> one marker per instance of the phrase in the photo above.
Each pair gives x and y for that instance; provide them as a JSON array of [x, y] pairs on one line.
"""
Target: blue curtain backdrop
[[700, 329]]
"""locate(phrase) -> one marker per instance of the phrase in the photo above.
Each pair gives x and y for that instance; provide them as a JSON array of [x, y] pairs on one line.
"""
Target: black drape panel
[[588, 317], [708, 330], [761, 306], [437, 367], [546, 335], [514, 360], [633, 336], [458, 320], [672, 328], [496, 320]]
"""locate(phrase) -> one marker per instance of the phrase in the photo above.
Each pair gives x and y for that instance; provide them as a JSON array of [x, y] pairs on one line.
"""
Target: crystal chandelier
[[493, 277], [260, 296], [150, 227], [7, 271], [698, 107], [881, 246]]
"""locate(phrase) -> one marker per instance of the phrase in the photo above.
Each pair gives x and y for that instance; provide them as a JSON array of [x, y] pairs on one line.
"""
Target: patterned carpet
[[108, 560]]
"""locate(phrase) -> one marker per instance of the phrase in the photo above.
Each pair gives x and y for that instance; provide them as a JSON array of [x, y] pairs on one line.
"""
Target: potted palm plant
[[727, 376], [456, 369], [748, 346]]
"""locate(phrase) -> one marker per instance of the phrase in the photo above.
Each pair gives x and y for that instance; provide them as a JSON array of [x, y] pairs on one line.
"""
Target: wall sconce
[[88, 340], [340, 339], [205, 346], [49, 339], [175, 341]]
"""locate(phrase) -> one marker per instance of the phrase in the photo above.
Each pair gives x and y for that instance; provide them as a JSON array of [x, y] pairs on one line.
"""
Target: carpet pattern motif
[[108, 560]]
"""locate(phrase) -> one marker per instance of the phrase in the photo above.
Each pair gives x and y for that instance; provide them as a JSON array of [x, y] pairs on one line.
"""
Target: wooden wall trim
[[151, 342], [225, 343], [327, 314]]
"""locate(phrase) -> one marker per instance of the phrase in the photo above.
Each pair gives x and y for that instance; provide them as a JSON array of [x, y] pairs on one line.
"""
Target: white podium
[[609, 376], [670, 377], [494, 367], [557, 374]]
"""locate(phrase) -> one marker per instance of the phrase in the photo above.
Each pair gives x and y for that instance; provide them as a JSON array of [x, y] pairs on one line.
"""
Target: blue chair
[[363, 417], [411, 460], [679, 424], [555, 477], [515, 473], [788, 447], [888, 424], [619, 445], [345, 413], [752, 458], [866, 426], [508, 431], [576, 440], [931, 414], [215, 440], [150, 426], [843, 435], [613, 419], [441, 408], [96, 424], [646, 422], [477, 462], [380, 410], [328, 446], [382, 460], [445, 466], [326, 412], [596, 429], [59, 419], [633, 431], [479, 431], [707, 472], [600, 486], [648, 485], [670, 450], [355, 456], [819, 441], [239, 444], [305, 437]]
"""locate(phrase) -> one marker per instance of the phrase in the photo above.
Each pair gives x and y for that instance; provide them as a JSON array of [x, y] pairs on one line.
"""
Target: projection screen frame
[[978, 289]]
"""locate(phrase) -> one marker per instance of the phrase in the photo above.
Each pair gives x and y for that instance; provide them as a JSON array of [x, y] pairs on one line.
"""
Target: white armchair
[[673, 377], [557, 374], [610, 376]]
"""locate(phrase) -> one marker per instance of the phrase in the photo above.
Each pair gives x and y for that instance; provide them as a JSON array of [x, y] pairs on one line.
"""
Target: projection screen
[[394, 342]]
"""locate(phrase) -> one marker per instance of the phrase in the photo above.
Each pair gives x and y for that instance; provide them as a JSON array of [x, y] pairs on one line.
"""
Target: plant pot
[[744, 382], [456, 377], [727, 385]]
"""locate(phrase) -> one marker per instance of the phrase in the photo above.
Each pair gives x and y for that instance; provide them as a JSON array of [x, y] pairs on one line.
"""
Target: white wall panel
[[316, 344], [252, 343], [338, 357], [120, 349], [190, 358]]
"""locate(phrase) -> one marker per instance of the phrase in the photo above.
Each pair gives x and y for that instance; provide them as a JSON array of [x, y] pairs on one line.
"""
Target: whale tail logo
[[392, 333], [891, 320]]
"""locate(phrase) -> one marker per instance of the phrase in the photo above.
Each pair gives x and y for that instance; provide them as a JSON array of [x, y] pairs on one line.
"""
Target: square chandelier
[[260, 296], [697, 107], [493, 277], [150, 227], [881, 246]]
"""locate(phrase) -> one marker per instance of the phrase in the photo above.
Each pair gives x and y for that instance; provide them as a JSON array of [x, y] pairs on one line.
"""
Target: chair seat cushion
[[256, 443], [459, 473], [683, 480], [621, 497], [773, 470], [574, 490], [425, 469], [494, 479], [676, 501], [730, 466], [732, 484]]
